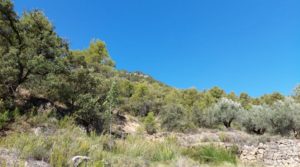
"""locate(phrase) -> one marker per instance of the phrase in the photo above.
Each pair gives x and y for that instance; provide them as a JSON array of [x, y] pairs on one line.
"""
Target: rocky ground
[[269, 151], [11, 158], [281, 153], [253, 150]]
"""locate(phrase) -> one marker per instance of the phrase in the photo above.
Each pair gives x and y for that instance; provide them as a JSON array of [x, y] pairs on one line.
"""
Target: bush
[[90, 114], [4, 118], [37, 149], [255, 119], [174, 117], [285, 117], [203, 118], [150, 124], [4, 115], [211, 154], [226, 111], [29, 145], [224, 137]]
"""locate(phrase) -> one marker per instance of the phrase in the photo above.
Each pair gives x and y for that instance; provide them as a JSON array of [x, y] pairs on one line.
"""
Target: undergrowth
[[211, 154], [67, 140]]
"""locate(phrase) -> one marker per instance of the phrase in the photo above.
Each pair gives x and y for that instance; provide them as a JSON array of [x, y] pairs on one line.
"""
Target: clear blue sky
[[239, 45]]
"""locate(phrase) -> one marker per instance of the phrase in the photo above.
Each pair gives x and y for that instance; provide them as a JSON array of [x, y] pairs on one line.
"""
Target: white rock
[[77, 160]]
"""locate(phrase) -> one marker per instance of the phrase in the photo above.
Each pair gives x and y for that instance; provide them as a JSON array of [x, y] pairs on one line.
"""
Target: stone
[[38, 131], [285, 152], [77, 160], [260, 151]]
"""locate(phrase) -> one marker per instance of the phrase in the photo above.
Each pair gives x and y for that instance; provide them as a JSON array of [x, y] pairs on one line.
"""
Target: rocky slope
[[281, 153]]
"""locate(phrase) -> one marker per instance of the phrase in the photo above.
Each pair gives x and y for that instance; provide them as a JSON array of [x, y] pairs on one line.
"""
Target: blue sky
[[239, 45]]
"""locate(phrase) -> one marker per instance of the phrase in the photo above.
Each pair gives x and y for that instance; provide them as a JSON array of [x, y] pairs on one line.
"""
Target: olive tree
[[255, 119], [285, 117], [226, 111]]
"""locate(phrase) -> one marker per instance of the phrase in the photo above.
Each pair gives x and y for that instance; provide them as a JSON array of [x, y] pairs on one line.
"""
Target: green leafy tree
[[29, 49], [245, 100], [216, 92], [96, 53], [89, 113], [126, 88], [97, 58], [206, 100], [189, 97], [68, 88], [140, 102], [111, 103], [232, 96], [112, 96], [270, 99], [173, 96]]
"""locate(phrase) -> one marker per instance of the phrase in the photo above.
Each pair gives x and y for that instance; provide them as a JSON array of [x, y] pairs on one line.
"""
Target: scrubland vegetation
[[78, 93], [66, 140]]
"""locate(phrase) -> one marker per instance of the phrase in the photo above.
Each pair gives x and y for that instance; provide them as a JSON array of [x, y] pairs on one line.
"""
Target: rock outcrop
[[281, 153]]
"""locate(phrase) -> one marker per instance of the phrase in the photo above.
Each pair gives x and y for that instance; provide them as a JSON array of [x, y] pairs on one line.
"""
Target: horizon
[[248, 47]]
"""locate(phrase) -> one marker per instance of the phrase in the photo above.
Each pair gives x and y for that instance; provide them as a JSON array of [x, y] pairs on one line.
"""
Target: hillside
[[61, 107]]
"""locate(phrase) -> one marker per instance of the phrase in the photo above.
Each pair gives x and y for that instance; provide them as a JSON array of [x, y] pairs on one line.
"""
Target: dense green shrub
[[90, 113], [175, 117], [226, 111], [270, 99], [204, 117], [145, 98], [29, 145], [4, 115], [255, 120], [4, 118], [150, 123], [211, 154], [285, 117]]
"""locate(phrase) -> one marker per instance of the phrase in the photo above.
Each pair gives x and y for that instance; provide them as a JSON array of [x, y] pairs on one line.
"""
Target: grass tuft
[[210, 154]]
